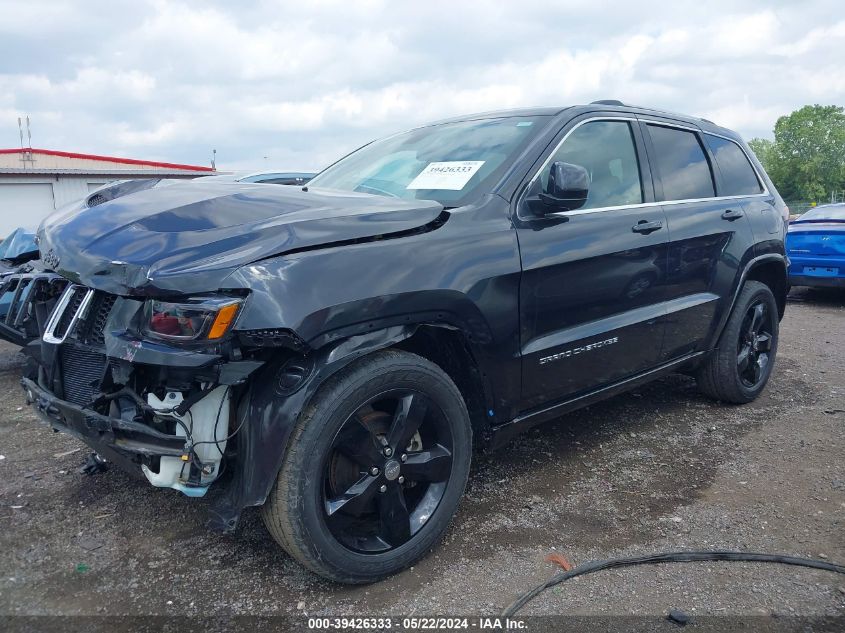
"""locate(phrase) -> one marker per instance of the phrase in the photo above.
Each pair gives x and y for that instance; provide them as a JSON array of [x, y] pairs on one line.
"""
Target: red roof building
[[35, 182]]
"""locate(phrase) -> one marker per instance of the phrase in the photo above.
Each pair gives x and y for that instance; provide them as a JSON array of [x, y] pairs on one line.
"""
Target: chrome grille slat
[[20, 303], [14, 306], [67, 313], [63, 326]]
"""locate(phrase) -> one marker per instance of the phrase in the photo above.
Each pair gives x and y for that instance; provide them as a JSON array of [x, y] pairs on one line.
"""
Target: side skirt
[[502, 434]]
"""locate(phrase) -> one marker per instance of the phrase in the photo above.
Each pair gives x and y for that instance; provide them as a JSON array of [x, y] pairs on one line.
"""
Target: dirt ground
[[659, 469]]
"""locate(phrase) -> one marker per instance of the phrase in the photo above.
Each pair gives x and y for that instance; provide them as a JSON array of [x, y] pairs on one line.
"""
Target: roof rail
[[616, 102]]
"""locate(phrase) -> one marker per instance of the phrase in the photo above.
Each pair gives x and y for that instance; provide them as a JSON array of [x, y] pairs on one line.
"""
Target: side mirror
[[566, 189]]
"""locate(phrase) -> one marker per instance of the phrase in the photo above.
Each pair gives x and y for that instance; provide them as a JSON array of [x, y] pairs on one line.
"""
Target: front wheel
[[739, 368], [374, 470]]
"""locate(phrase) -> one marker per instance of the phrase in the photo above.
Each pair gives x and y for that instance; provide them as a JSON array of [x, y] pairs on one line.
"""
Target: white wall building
[[35, 182]]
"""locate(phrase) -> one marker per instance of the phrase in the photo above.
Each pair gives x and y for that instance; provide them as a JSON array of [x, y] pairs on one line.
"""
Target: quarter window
[[606, 150], [682, 163], [738, 176]]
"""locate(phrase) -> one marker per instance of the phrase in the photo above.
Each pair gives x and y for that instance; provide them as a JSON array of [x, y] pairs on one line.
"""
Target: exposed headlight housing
[[193, 319]]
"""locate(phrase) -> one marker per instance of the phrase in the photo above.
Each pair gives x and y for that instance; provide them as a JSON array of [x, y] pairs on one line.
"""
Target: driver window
[[607, 151]]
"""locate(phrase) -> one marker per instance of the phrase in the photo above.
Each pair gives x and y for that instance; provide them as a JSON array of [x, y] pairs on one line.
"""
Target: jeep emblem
[[51, 259], [391, 470]]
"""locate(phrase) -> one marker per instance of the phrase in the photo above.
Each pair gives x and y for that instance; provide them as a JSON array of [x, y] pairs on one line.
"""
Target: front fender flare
[[270, 419]]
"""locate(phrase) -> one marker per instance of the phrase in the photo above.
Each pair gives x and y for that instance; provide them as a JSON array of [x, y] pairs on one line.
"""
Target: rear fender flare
[[749, 267]]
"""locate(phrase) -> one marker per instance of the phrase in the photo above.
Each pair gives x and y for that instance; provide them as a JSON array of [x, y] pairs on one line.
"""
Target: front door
[[593, 278]]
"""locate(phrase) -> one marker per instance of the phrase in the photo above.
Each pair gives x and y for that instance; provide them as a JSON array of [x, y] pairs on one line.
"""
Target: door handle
[[645, 227], [731, 215]]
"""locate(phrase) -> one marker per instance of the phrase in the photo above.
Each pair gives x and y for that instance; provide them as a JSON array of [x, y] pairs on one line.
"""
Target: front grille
[[82, 370], [92, 330], [77, 325], [15, 306], [19, 293], [70, 311], [85, 324]]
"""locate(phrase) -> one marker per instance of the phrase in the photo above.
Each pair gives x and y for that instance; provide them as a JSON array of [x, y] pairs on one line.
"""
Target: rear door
[[708, 232], [593, 278], [740, 179]]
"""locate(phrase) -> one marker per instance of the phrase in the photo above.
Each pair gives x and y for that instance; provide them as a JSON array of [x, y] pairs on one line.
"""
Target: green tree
[[806, 160], [762, 147]]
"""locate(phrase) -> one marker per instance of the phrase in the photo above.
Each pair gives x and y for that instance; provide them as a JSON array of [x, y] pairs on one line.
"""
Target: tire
[[347, 545], [739, 368]]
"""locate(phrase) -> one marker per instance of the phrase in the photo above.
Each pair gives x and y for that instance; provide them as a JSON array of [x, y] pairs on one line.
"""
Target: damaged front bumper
[[177, 415], [119, 439], [188, 460], [155, 409]]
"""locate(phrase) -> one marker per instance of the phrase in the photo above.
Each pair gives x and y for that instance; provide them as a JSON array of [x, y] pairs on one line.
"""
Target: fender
[[752, 263], [271, 410], [465, 274]]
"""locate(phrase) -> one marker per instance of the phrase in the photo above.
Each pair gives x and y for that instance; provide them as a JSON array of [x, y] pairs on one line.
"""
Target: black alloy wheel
[[754, 345], [374, 469], [738, 369], [387, 471]]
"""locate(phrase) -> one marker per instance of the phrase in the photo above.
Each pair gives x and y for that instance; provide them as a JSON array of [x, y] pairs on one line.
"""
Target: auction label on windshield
[[454, 174]]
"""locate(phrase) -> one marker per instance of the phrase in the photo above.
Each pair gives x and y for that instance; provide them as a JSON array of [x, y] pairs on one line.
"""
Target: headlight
[[197, 319]]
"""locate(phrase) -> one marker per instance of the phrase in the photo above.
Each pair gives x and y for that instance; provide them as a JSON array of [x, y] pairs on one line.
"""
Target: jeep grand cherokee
[[329, 352]]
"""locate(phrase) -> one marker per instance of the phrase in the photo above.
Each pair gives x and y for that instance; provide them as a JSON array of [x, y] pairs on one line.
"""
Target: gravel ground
[[659, 469]]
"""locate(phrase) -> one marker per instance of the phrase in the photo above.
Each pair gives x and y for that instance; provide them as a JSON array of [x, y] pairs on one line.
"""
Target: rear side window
[[738, 176], [682, 164]]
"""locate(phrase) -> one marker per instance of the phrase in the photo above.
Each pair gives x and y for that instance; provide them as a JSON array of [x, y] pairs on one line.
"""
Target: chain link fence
[[799, 207]]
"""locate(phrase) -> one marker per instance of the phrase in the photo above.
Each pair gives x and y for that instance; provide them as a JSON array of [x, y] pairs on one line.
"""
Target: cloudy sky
[[294, 85]]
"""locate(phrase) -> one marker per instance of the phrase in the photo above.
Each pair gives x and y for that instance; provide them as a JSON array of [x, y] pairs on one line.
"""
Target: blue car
[[266, 177], [815, 244], [17, 247], [279, 178], [20, 242]]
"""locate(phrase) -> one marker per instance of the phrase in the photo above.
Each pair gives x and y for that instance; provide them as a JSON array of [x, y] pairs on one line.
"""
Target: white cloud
[[303, 84]]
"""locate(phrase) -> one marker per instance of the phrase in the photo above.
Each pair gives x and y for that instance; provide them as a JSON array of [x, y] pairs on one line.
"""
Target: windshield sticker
[[454, 175]]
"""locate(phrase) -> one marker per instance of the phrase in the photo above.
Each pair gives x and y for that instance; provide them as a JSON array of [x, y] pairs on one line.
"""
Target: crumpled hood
[[189, 236]]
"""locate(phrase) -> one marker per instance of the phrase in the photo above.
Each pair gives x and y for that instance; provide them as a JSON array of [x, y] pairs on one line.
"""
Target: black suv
[[329, 352]]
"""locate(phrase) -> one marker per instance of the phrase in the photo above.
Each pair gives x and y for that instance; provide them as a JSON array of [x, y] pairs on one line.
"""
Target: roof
[[605, 105], [105, 159], [495, 114], [612, 105]]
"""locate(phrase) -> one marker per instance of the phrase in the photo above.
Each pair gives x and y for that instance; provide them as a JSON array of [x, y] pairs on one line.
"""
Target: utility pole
[[27, 158]]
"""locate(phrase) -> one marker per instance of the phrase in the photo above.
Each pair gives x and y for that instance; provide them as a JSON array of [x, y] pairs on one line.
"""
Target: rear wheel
[[740, 367], [374, 470]]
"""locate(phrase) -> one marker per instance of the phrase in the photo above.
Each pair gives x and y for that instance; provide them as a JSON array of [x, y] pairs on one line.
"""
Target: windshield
[[827, 213], [452, 163]]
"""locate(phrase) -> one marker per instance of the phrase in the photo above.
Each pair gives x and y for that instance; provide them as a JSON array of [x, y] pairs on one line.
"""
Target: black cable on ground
[[669, 557]]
